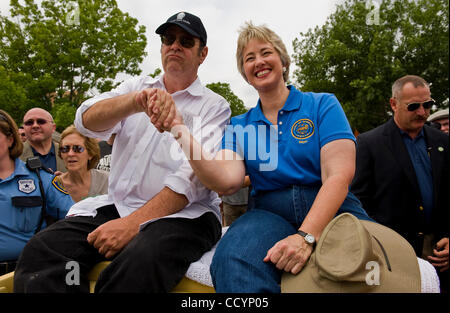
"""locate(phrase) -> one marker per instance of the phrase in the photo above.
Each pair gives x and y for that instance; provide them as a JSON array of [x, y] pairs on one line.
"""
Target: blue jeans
[[238, 265]]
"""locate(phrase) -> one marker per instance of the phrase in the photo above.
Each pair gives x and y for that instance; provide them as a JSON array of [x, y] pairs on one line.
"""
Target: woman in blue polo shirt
[[20, 196], [299, 151]]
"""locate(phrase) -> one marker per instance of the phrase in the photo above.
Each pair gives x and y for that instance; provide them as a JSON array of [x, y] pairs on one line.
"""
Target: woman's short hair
[[262, 32], [91, 145], [9, 128]]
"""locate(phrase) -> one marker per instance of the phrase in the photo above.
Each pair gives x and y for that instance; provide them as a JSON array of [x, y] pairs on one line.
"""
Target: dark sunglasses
[[39, 121], [75, 148], [186, 41], [415, 105]]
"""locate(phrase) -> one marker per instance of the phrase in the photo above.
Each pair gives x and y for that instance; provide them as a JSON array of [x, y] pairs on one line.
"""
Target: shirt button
[[281, 112], [281, 123], [281, 133]]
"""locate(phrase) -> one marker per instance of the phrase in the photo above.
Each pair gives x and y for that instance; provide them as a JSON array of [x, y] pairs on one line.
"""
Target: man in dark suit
[[402, 174]]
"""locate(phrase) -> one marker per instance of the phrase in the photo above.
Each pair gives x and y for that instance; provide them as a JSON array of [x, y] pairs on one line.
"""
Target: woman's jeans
[[238, 265]]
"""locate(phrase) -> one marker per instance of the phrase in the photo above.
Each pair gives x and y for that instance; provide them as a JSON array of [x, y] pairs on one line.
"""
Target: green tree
[[236, 105], [63, 50], [365, 46]]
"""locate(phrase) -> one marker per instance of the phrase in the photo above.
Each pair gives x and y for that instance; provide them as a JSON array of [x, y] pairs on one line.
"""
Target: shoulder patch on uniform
[[57, 184]]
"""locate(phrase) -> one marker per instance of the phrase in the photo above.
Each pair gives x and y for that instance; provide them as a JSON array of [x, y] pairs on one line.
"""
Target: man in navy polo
[[39, 127]]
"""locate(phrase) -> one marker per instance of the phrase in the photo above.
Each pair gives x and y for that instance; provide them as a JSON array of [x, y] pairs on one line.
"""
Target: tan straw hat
[[357, 256], [438, 115]]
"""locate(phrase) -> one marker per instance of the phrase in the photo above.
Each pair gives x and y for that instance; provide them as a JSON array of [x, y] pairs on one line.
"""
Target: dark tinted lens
[[64, 149], [77, 149], [187, 42], [428, 104], [413, 106], [168, 39], [40, 121]]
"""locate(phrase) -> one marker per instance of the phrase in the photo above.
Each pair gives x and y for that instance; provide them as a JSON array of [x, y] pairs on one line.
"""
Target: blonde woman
[[299, 151], [81, 155]]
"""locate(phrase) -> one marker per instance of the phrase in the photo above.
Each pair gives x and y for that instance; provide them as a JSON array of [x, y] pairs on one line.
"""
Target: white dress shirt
[[145, 161]]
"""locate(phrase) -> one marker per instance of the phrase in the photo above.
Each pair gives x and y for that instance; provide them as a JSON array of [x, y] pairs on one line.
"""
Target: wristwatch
[[308, 238]]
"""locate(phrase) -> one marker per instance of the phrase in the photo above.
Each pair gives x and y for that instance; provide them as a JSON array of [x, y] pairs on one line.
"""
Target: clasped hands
[[160, 107]]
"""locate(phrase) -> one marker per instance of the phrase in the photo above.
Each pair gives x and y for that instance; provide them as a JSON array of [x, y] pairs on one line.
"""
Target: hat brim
[[403, 276], [161, 29], [438, 115]]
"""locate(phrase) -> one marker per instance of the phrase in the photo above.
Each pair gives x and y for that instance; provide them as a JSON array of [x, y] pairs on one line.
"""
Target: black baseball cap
[[189, 22]]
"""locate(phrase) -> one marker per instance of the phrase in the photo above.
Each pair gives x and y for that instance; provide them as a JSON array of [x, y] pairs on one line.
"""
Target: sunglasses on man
[[186, 41], [75, 148], [39, 121], [415, 105]]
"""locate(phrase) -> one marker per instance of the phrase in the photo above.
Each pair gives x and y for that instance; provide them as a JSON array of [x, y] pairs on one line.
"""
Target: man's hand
[[440, 258], [289, 254], [144, 100], [160, 107], [111, 237]]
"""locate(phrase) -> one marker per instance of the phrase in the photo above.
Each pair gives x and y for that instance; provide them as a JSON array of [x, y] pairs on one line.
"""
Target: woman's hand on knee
[[289, 254]]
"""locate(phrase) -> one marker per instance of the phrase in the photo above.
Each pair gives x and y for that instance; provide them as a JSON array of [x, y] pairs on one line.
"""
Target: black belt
[[7, 266]]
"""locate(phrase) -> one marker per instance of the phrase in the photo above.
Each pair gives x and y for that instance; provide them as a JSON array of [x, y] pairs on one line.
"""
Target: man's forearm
[[104, 114], [165, 203]]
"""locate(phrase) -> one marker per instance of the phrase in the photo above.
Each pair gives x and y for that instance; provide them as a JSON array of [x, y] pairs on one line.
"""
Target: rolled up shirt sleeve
[[124, 88], [208, 130]]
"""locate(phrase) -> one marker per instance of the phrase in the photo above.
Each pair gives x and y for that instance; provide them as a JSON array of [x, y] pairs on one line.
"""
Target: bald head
[[38, 111], [39, 127]]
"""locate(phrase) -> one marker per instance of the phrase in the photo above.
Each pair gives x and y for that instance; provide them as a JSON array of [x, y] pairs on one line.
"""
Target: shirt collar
[[20, 168], [51, 152], [293, 102], [420, 135], [195, 89]]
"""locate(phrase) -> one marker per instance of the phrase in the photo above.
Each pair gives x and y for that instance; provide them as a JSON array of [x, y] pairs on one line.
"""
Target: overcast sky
[[222, 20]]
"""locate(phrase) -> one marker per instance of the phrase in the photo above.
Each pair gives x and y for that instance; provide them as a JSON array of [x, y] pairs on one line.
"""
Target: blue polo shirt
[[48, 160], [417, 150], [278, 156], [18, 224]]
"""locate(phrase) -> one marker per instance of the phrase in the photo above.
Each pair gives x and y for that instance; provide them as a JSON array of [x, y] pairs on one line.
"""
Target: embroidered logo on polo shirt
[[302, 129], [27, 185]]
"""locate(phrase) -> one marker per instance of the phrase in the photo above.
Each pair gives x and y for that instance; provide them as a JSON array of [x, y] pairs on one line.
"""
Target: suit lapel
[[394, 141]]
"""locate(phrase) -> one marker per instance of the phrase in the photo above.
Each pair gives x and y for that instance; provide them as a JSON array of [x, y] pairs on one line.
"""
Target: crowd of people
[[136, 181]]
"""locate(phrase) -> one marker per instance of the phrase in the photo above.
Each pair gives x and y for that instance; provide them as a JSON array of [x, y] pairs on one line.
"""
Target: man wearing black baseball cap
[[157, 217], [189, 22]]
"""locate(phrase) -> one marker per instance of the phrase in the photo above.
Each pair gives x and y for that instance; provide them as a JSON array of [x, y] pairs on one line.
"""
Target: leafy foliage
[[364, 47], [55, 54], [236, 105]]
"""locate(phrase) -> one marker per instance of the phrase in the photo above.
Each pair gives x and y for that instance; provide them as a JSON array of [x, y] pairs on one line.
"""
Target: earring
[[284, 69]]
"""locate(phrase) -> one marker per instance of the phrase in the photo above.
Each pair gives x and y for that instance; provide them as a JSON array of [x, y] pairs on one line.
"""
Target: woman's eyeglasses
[[39, 121], [415, 105], [75, 148], [186, 41]]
